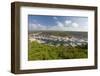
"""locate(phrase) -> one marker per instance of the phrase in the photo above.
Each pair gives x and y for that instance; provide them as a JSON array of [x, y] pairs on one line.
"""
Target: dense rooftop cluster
[[57, 40]]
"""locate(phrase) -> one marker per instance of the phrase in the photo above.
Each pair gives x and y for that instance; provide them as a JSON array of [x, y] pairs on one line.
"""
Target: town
[[53, 40]]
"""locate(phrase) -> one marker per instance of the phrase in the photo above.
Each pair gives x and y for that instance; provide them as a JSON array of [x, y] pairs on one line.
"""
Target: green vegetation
[[37, 51]]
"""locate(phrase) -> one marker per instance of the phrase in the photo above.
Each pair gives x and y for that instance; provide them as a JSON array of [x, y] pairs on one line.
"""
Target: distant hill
[[77, 34]]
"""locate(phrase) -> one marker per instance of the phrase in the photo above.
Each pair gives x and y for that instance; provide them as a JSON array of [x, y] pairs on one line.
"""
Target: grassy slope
[[38, 51]]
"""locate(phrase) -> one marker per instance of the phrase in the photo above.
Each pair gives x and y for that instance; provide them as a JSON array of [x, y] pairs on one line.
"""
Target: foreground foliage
[[38, 51]]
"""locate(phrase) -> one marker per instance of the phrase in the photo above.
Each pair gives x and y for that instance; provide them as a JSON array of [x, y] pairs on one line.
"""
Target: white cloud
[[75, 25], [68, 26], [34, 27], [68, 21], [59, 24], [58, 27]]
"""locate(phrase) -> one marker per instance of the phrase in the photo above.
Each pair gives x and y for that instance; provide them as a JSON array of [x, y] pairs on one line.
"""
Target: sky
[[57, 23]]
